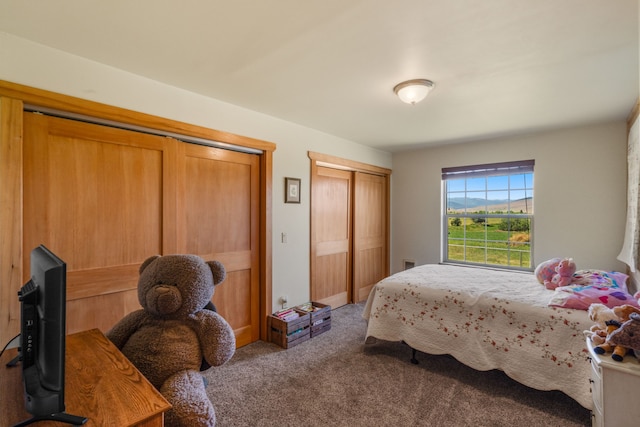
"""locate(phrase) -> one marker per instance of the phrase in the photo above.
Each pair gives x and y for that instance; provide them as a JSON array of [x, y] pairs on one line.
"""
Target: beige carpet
[[334, 379]]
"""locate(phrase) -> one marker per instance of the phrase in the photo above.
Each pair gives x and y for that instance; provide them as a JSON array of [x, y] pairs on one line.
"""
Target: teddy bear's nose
[[164, 299]]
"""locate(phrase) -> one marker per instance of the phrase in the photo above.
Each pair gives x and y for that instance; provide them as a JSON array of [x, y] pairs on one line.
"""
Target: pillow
[[600, 278], [546, 269], [608, 288]]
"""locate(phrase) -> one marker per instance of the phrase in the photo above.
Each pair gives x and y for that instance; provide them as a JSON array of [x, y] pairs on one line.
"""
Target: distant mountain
[[458, 203]]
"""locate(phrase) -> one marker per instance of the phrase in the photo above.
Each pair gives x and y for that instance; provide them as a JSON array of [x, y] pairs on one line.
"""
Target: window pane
[[498, 182], [476, 254], [496, 257], [529, 180], [455, 185], [518, 181], [476, 184], [456, 250], [456, 201]]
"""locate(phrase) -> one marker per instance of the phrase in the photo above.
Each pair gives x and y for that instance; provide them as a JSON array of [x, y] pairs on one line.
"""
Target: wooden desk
[[100, 384]]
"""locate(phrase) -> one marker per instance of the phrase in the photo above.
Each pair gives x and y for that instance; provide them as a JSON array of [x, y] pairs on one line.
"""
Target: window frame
[[485, 171]]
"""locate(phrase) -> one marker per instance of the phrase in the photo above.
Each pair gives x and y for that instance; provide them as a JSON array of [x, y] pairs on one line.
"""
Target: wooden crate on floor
[[289, 333], [320, 320]]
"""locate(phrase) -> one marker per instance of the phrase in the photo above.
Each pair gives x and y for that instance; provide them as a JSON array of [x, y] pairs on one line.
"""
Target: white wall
[[579, 193], [35, 65]]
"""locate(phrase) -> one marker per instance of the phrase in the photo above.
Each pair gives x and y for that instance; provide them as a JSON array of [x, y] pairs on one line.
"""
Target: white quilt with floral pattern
[[487, 319]]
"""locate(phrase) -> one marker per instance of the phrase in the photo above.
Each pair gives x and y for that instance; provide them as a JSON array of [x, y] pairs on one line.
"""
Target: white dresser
[[615, 387]]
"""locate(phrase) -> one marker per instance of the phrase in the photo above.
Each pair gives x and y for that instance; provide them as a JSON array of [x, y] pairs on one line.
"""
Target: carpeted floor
[[334, 379]]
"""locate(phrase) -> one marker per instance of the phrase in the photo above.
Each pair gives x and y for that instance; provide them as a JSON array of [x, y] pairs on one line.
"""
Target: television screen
[[43, 331]]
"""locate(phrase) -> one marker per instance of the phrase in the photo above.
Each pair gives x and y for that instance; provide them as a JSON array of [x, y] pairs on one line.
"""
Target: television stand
[[100, 383], [61, 417], [13, 362]]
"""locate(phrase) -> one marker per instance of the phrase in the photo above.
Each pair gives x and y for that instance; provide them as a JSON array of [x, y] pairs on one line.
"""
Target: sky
[[499, 188]]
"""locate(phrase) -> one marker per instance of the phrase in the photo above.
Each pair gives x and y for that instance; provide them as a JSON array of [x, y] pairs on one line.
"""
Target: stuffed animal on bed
[[564, 274], [171, 336], [546, 270]]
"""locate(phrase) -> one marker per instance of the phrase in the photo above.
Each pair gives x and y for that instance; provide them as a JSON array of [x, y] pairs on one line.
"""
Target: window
[[488, 216]]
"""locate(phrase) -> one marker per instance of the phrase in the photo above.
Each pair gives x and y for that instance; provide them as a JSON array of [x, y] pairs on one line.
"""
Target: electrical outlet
[[284, 300]]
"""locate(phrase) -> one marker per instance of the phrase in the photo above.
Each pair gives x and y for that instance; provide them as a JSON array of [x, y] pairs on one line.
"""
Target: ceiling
[[501, 67]]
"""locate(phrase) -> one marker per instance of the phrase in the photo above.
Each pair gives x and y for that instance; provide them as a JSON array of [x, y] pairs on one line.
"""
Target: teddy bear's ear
[[218, 270], [146, 263]]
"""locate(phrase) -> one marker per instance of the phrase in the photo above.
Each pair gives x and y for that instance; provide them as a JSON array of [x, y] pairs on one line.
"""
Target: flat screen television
[[43, 331]]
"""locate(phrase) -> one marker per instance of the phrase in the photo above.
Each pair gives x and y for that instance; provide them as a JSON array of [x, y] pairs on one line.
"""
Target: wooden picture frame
[[292, 190]]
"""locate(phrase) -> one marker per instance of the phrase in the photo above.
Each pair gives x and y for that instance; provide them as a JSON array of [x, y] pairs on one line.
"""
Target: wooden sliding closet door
[[218, 217], [105, 199], [349, 229], [94, 196], [331, 236], [370, 223]]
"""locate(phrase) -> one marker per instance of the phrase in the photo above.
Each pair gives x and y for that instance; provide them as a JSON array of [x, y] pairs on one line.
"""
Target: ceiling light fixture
[[413, 91]]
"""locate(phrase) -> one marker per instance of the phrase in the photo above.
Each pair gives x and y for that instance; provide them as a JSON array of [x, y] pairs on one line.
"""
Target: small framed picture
[[292, 190]]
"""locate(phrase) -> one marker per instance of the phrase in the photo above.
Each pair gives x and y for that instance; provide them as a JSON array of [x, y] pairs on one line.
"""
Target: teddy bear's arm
[[217, 340], [122, 330]]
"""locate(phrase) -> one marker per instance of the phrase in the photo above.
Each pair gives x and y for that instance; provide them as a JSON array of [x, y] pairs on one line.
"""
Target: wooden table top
[[100, 384]]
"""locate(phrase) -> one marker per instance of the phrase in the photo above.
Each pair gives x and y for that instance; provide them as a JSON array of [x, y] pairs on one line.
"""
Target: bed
[[486, 319]]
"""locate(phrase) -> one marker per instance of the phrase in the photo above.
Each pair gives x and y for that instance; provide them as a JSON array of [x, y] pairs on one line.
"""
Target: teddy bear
[[563, 276], [546, 269], [600, 314], [173, 335]]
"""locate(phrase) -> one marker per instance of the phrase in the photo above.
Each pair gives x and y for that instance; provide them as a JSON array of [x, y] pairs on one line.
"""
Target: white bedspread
[[486, 319]]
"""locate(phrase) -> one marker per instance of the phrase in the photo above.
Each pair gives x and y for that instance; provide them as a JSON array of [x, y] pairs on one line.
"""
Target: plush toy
[[172, 335], [623, 312], [627, 336], [618, 351], [546, 270], [600, 314], [564, 274]]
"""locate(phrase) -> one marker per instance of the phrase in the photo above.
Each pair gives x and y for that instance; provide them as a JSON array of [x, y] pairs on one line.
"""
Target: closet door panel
[[94, 196], [331, 236], [330, 283], [233, 299], [370, 262], [115, 305], [218, 200]]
